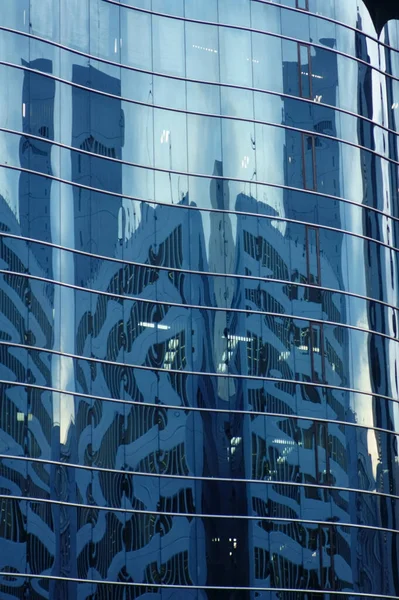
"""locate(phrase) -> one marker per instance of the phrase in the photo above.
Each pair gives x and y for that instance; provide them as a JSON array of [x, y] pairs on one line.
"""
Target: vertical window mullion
[[307, 254], [314, 163], [313, 269], [304, 71], [316, 447], [300, 70], [320, 536], [311, 352], [309, 164], [322, 354], [318, 256], [329, 452], [302, 4], [332, 552], [304, 162], [310, 73]]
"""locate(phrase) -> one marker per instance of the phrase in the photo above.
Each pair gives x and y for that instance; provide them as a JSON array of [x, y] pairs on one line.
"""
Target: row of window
[[104, 590], [303, 162], [140, 529], [13, 524], [266, 273], [287, 479], [83, 22], [311, 74], [280, 350], [270, 398], [158, 321], [278, 243], [355, 16]]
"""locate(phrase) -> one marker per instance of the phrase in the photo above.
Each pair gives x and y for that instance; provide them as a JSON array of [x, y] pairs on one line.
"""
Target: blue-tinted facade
[[199, 312]]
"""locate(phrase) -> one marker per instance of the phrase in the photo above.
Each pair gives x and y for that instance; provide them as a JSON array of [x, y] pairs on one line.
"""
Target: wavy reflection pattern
[[184, 411]]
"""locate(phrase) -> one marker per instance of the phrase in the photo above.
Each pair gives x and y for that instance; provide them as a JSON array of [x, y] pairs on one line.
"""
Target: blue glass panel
[[198, 300]]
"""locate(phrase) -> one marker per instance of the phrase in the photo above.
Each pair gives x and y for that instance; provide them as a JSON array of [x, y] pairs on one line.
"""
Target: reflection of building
[[98, 128], [27, 534], [35, 155], [199, 412], [136, 437], [379, 349], [286, 448]]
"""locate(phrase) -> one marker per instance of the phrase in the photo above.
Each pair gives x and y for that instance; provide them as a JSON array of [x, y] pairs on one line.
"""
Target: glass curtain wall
[[199, 312]]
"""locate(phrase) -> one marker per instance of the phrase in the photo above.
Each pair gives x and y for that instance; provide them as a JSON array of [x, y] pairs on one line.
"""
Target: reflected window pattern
[[198, 301]]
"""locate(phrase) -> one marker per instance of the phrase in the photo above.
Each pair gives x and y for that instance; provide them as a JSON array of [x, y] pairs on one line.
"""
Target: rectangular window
[[305, 71], [315, 545], [323, 459], [303, 4], [317, 353], [313, 271], [309, 161], [331, 551]]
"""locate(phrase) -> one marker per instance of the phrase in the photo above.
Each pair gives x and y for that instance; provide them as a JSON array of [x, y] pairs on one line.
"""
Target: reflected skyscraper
[[97, 129], [198, 300], [35, 155]]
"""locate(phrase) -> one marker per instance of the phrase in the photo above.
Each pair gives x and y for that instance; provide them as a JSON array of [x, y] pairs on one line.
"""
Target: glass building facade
[[199, 301]]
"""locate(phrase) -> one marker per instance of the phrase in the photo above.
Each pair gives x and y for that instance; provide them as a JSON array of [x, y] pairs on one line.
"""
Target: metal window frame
[[308, 274], [300, 66], [313, 151], [298, 2]]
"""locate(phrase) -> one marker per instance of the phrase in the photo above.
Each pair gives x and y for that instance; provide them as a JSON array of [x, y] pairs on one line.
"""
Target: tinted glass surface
[[199, 316]]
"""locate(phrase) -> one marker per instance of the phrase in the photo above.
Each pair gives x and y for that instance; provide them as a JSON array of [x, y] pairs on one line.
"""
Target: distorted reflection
[[198, 350]]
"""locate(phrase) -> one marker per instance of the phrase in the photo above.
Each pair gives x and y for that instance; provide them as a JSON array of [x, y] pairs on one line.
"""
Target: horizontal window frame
[[200, 81], [201, 478], [112, 295], [253, 30], [216, 411], [28, 348], [211, 209], [329, 19], [201, 114], [132, 511], [168, 586], [126, 262]]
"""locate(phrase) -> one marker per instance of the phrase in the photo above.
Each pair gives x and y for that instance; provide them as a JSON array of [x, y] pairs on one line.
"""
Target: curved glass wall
[[199, 313]]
